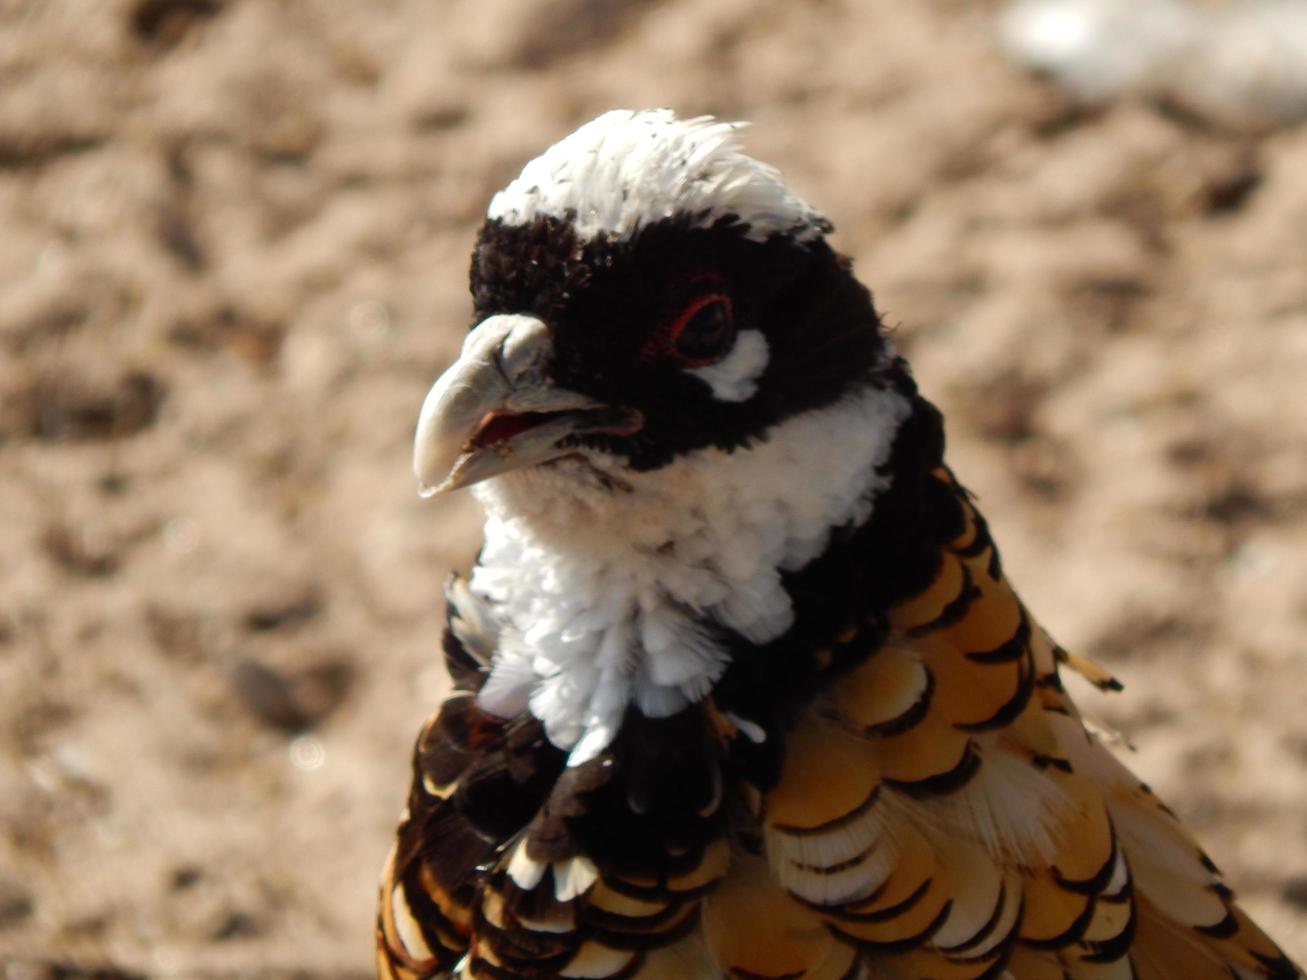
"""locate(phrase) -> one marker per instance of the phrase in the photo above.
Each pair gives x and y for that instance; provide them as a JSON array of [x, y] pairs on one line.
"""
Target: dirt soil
[[234, 256]]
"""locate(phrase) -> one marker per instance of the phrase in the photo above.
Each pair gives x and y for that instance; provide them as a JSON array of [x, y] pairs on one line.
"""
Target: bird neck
[[841, 599], [609, 598]]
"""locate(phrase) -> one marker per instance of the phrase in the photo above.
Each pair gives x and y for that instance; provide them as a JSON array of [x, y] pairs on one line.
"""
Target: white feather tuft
[[625, 170], [601, 597]]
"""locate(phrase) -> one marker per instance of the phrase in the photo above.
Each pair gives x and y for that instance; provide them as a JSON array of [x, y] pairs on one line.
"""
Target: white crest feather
[[625, 170]]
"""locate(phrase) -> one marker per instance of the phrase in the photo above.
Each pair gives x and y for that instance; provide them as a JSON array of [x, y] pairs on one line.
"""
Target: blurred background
[[234, 237]]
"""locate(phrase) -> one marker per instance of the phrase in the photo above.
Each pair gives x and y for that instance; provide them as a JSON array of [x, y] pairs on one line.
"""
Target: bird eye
[[705, 329]]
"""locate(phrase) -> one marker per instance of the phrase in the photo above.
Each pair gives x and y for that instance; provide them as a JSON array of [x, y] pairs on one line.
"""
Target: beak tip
[[429, 486], [434, 461]]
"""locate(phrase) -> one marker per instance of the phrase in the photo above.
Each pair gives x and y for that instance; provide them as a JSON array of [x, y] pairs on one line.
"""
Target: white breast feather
[[625, 170], [598, 591]]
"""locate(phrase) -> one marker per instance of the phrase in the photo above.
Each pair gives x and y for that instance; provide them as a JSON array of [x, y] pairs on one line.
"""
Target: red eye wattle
[[701, 333]]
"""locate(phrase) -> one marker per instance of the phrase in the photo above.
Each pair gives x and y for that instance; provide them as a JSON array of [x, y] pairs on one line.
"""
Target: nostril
[[524, 348]]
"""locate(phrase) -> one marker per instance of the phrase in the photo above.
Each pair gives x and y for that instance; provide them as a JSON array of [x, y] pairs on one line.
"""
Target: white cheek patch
[[735, 377]]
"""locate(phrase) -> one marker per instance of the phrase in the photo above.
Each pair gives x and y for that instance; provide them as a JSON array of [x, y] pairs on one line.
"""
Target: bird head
[[643, 291], [672, 393]]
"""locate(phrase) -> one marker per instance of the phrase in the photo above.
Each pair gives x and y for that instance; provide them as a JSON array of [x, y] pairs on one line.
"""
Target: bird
[[739, 685]]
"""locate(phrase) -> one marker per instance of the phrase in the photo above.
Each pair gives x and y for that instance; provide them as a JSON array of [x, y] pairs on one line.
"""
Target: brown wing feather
[[756, 929], [939, 810], [944, 811]]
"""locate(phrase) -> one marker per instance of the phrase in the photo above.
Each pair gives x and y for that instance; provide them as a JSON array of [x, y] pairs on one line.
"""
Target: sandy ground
[[233, 257]]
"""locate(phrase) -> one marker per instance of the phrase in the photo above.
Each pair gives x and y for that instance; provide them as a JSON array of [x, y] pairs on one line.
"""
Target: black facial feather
[[604, 299]]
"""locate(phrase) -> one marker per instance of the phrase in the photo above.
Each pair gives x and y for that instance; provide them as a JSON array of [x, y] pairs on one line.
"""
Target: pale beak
[[495, 410]]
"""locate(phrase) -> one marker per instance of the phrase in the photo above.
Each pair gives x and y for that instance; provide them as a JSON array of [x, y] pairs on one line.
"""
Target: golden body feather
[[941, 812], [973, 824]]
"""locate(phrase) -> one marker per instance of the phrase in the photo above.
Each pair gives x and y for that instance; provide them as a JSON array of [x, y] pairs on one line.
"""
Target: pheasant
[[740, 688]]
